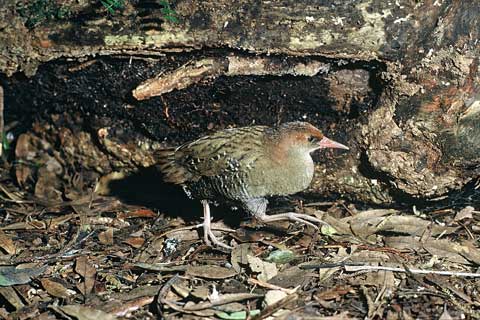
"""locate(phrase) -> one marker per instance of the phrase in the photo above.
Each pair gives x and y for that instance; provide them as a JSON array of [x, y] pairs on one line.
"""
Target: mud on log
[[419, 138]]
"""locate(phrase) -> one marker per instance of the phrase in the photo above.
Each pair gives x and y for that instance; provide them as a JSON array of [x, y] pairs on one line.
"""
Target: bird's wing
[[222, 152]]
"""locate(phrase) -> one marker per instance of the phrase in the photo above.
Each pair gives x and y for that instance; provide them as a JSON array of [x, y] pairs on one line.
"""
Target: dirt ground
[[68, 251]]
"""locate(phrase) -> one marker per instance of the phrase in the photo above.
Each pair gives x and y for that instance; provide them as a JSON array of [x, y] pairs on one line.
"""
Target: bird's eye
[[312, 139]]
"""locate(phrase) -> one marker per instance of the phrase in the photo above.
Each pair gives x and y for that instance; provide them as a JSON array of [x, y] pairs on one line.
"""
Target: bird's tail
[[173, 172]]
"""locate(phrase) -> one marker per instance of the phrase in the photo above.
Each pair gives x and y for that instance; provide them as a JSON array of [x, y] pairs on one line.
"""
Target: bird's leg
[[207, 230]]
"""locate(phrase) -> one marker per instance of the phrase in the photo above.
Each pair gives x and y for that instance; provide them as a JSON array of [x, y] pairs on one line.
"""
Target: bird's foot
[[208, 235], [210, 238], [292, 216]]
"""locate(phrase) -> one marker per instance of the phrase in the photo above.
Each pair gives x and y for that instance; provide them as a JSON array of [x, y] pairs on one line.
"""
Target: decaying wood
[[421, 139], [205, 69]]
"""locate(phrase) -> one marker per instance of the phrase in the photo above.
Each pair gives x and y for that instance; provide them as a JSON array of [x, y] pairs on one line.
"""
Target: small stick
[[272, 286], [350, 268]]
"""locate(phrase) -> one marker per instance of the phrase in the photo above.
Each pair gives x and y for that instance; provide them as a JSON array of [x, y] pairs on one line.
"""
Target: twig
[[268, 311], [350, 268], [272, 286], [11, 196], [221, 300]]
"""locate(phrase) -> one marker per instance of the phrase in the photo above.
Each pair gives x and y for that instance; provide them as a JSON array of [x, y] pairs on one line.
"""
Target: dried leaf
[[291, 277], [10, 295], [200, 292], [181, 288], [135, 242], [6, 243], [55, 222], [84, 268], [239, 255], [273, 296], [464, 253], [266, 270], [334, 293], [85, 313], [126, 308], [139, 213], [210, 272], [469, 251], [14, 275], [106, 237], [56, 289], [445, 315], [465, 213]]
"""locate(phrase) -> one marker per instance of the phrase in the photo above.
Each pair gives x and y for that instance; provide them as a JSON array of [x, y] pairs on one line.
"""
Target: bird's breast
[[283, 178]]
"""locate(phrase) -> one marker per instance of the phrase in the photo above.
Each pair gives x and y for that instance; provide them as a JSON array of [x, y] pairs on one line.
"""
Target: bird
[[244, 166]]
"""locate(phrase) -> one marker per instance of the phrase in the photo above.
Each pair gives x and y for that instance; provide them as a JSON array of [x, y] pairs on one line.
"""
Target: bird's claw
[[208, 235]]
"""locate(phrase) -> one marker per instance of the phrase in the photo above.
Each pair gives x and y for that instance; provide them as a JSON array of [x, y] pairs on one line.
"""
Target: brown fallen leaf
[[9, 294], [55, 222], [292, 277], [464, 253], [210, 272], [136, 242], [85, 313], [139, 213], [86, 269], [465, 213], [274, 296], [200, 292], [266, 270], [106, 237], [334, 293], [56, 289], [239, 255], [126, 308], [6, 243]]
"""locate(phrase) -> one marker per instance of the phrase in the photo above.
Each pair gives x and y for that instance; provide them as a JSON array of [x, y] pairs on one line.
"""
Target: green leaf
[[239, 315], [171, 18], [112, 5], [11, 275], [5, 143], [328, 230], [280, 256], [167, 12]]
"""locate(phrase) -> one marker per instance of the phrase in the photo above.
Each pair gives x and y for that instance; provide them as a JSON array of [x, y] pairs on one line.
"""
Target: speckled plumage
[[245, 165]]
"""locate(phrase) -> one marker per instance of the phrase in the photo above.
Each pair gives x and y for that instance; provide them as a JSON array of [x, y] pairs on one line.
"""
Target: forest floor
[[98, 257]]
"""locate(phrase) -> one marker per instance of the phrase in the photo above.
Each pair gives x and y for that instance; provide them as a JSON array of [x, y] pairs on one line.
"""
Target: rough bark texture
[[421, 138]]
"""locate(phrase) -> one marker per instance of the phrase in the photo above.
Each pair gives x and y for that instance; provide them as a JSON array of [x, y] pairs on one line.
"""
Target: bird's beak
[[327, 143]]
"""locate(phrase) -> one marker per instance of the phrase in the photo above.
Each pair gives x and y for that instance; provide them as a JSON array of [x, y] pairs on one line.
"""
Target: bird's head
[[304, 137]]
